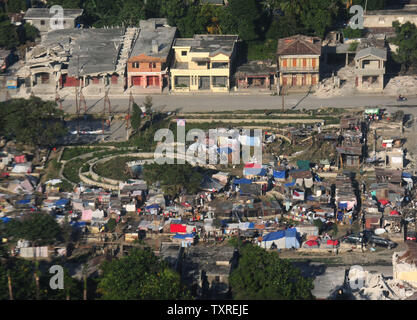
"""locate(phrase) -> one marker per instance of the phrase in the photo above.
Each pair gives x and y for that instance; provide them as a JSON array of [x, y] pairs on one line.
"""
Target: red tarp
[[20, 159], [311, 243], [395, 213], [332, 242], [384, 202], [178, 228]]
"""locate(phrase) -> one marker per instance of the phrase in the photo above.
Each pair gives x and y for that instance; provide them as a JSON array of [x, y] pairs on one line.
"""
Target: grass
[[70, 153], [114, 168], [72, 167]]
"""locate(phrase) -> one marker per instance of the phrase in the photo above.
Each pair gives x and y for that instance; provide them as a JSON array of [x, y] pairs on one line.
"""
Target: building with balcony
[[147, 67], [370, 69], [298, 62], [203, 63]]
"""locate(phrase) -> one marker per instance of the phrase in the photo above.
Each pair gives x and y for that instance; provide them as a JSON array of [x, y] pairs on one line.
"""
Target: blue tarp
[[183, 236], [340, 216], [61, 202], [291, 232], [251, 225], [291, 242], [310, 197], [317, 178], [279, 174], [254, 172], [342, 205], [224, 150], [407, 175], [289, 184], [153, 206], [24, 201], [78, 224], [242, 181], [274, 236], [5, 219]]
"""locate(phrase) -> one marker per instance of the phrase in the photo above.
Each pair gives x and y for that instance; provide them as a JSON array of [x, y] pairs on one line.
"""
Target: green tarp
[[372, 111], [303, 164]]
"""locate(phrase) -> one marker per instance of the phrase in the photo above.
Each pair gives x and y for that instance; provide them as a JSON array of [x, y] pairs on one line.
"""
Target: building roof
[[214, 44], [257, 68], [162, 36], [377, 52], [91, 51], [46, 13], [299, 45]]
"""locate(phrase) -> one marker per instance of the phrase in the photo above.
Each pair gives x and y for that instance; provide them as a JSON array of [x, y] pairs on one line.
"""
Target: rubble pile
[[404, 85], [327, 88], [378, 287]]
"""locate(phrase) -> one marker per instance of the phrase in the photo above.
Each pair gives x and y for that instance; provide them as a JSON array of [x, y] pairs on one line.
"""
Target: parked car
[[370, 238]]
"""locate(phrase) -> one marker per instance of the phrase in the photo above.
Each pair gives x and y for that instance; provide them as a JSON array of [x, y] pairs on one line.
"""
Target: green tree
[[111, 225], [263, 275], [9, 37], [406, 40], [140, 275], [40, 228], [31, 121], [173, 10], [173, 178], [22, 279], [136, 117], [246, 14]]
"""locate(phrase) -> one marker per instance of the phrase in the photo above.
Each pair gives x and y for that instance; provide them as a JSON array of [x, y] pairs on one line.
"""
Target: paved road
[[210, 103]]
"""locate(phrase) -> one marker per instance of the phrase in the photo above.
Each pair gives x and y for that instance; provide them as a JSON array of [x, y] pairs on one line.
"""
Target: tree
[[246, 14], [21, 276], [9, 37], [136, 117], [111, 224], [31, 121], [173, 10], [263, 275], [406, 40], [173, 178], [140, 275], [41, 228], [132, 12]]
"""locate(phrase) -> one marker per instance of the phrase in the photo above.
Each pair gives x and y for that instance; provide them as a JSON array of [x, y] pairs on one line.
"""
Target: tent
[[311, 244], [277, 237], [279, 174], [61, 202], [303, 165], [153, 206], [242, 181], [254, 172], [291, 238], [174, 228], [23, 201]]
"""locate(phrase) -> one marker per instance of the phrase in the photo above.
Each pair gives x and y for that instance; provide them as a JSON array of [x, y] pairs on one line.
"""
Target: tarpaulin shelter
[[394, 213], [277, 237], [384, 202], [311, 244], [254, 171], [181, 228], [5, 219], [242, 181], [279, 174], [61, 202], [303, 165], [87, 215]]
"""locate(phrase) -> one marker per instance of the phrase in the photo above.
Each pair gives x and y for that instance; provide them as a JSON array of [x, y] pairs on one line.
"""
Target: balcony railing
[[301, 69]]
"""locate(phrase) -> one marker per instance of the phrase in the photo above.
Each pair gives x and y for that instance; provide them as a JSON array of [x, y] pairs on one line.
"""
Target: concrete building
[[203, 63], [370, 69], [259, 75], [45, 19], [91, 59], [150, 57], [298, 62], [380, 21]]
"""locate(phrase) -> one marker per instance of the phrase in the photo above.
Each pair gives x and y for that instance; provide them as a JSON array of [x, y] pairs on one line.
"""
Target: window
[[183, 53], [220, 65], [201, 63], [135, 65], [42, 22]]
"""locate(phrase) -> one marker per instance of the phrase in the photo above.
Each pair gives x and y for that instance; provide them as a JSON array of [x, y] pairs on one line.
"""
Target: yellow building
[[298, 62], [203, 63]]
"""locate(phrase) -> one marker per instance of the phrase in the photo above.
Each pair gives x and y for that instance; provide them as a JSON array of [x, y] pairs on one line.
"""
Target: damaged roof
[[91, 51]]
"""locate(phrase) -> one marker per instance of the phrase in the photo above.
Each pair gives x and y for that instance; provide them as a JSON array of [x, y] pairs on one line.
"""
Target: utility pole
[[83, 102], [283, 100]]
